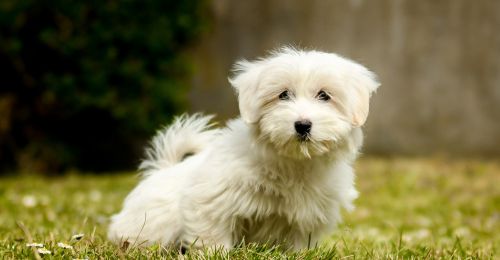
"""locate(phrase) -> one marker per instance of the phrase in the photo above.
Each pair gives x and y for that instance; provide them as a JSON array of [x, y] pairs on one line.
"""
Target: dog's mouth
[[303, 138], [302, 147]]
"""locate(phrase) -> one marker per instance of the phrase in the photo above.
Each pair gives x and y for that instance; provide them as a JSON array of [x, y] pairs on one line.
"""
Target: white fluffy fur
[[254, 180]]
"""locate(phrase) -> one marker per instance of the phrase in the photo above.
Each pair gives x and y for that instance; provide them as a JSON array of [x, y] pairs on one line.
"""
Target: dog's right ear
[[245, 81], [364, 85]]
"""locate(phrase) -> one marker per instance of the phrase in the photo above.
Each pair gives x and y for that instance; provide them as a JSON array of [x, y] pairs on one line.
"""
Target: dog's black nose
[[303, 127]]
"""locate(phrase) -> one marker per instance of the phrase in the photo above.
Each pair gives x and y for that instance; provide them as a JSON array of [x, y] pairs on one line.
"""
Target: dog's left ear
[[364, 84], [246, 81]]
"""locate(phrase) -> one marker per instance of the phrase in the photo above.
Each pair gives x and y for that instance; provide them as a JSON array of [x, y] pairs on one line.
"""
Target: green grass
[[408, 208]]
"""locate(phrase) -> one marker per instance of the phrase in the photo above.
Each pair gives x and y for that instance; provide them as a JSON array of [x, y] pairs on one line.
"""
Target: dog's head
[[303, 102]]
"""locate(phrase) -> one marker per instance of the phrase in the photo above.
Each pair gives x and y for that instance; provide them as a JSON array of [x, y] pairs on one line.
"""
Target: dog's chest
[[290, 202]]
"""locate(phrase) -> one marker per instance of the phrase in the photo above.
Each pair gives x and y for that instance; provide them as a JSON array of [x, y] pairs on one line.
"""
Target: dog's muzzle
[[303, 129]]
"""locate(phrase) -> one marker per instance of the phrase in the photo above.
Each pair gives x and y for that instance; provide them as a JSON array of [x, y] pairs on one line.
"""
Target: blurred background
[[84, 85]]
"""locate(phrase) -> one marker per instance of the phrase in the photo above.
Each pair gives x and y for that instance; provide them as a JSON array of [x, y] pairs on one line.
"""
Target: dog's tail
[[186, 136]]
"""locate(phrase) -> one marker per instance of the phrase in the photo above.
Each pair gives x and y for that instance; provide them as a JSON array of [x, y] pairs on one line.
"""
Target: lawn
[[408, 208]]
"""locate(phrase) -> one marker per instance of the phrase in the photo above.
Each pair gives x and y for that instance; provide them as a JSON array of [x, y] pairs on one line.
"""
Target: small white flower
[[95, 195], [29, 201], [43, 251], [417, 235], [77, 237], [422, 234], [34, 245], [423, 221], [65, 246], [462, 232]]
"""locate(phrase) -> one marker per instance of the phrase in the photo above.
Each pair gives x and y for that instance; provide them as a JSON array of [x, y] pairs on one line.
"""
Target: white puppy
[[281, 174]]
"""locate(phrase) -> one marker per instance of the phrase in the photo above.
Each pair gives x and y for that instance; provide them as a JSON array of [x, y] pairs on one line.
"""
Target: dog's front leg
[[207, 224], [211, 236], [304, 241]]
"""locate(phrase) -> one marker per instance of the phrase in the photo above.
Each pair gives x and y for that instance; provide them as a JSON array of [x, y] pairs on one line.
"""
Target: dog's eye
[[323, 96], [284, 95]]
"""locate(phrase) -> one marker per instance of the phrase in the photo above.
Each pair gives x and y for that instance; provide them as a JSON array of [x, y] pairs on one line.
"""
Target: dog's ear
[[364, 84], [245, 81]]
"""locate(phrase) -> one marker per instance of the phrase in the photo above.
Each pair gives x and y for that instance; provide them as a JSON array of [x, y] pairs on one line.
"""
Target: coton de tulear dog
[[280, 174]]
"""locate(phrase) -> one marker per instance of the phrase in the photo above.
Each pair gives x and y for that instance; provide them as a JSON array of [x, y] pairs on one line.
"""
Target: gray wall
[[438, 61]]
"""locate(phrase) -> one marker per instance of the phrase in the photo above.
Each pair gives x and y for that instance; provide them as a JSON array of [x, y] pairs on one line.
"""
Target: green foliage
[[85, 82], [408, 209]]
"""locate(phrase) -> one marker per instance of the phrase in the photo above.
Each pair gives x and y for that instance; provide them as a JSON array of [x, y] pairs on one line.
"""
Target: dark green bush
[[84, 83]]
